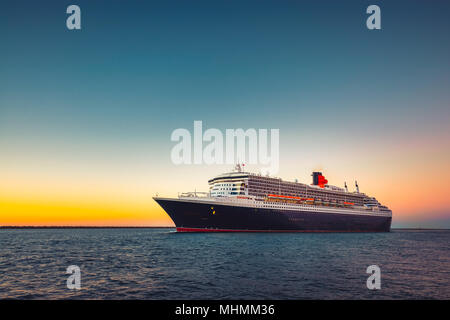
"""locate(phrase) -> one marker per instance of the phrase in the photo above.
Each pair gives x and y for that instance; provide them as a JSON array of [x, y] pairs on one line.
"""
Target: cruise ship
[[241, 201]]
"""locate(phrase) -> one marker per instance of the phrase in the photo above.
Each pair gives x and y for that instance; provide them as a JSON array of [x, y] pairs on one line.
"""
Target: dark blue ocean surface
[[163, 264]]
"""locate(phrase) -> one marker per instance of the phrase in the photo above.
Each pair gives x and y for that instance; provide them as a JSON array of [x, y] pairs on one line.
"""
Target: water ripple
[[161, 264]]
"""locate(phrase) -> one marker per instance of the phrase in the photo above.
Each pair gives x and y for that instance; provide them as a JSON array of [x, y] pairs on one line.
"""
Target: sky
[[86, 115]]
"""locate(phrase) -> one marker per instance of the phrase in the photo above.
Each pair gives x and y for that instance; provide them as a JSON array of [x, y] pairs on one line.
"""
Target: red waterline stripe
[[180, 229]]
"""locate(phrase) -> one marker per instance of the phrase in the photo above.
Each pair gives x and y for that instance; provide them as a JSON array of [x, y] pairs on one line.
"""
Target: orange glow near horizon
[[119, 193], [103, 205], [29, 212]]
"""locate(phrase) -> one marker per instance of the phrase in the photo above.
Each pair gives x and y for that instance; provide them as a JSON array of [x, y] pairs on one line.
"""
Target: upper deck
[[240, 183]]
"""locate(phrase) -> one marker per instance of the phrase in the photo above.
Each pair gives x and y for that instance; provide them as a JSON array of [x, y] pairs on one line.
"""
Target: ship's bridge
[[229, 184]]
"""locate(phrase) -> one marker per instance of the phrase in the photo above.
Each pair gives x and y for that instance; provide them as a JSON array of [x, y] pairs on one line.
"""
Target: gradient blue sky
[[102, 102]]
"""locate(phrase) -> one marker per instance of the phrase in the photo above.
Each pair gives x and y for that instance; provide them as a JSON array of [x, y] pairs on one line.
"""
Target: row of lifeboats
[[310, 201]]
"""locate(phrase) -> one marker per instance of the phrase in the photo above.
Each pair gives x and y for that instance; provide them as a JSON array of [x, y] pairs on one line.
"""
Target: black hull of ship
[[205, 217]]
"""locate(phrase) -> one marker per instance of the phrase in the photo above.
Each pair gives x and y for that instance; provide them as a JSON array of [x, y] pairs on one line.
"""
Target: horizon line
[[156, 227]]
